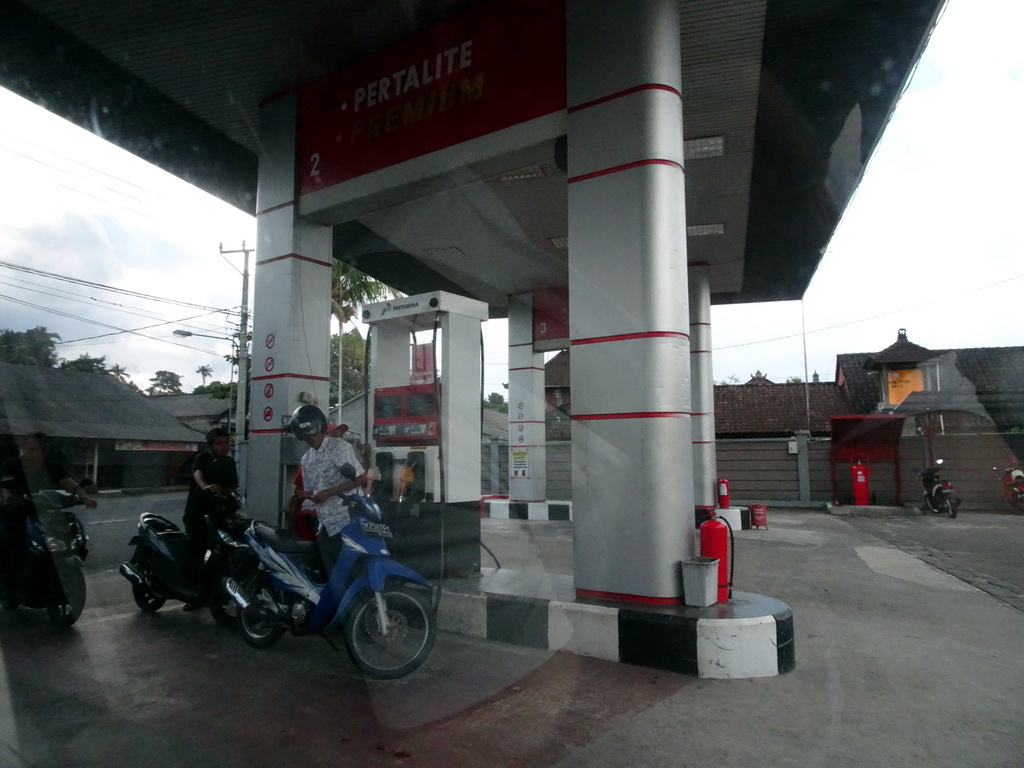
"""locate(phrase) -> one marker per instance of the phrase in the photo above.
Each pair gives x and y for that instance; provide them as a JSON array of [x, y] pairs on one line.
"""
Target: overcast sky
[[931, 243]]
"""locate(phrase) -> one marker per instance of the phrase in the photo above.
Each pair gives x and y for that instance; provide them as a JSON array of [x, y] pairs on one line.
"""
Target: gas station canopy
[[783, 103]]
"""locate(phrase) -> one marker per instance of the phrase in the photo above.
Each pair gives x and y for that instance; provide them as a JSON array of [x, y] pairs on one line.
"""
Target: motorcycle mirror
[[348, 471]]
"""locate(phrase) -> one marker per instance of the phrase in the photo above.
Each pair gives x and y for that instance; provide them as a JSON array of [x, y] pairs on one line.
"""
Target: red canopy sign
[[491, 67]]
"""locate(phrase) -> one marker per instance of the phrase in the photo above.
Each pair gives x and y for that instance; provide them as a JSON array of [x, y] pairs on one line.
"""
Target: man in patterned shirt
[[322, 480]]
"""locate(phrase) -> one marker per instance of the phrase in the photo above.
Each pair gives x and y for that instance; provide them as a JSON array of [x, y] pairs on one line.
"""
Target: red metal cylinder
[[723, 493], [861, 489], [714, 542]]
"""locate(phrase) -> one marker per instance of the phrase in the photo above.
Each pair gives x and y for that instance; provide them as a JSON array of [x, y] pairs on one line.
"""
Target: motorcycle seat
[[284, 540]]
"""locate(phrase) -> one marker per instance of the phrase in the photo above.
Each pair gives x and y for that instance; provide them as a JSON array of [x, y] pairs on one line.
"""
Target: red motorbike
[[1013, 485]]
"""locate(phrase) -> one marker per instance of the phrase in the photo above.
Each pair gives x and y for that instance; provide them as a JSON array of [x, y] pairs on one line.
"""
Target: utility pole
[[242, 408]]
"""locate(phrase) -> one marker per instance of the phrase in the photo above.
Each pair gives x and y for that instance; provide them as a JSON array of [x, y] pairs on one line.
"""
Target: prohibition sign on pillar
[[268, 413], [268, 390], [268, 364], [269, 341]]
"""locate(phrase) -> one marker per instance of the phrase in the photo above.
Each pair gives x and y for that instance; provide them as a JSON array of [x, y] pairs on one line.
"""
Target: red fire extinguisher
[[723, 493], [714, 542], [861, 489]]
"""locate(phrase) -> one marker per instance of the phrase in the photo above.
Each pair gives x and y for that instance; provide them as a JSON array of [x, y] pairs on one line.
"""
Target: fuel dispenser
[[425, 395]]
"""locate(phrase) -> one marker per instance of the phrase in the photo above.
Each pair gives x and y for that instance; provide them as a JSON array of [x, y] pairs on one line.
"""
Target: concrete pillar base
[[746, 637]]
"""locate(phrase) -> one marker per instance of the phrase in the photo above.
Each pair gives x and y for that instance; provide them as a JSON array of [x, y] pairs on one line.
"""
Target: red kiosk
[[859, 442]]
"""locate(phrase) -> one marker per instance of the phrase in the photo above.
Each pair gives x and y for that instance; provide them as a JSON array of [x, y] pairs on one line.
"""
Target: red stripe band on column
[[626, 92], [703, 442], [523, 344], [636, 415], [528, 368], [527, 421], [290, 376], [294, 256], [626, 167], [278, 431], [631, 336], [595, 594]]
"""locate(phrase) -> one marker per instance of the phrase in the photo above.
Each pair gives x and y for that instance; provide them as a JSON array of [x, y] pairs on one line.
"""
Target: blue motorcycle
[[386, 610]]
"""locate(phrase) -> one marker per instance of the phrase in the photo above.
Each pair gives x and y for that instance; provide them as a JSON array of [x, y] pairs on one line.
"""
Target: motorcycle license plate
[[375, 529]]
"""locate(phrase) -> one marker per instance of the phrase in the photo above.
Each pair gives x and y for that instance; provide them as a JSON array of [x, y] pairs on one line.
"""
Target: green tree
[[496, 402], [353, 378], [36, 346], [205, 371], [85, 364], [218, 390], [164, 383]]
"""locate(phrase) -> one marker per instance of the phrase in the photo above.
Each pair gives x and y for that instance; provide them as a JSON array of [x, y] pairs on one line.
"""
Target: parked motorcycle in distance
[[160, 568], [1013, 485], [939, 495], [386, 609], [51, 575]]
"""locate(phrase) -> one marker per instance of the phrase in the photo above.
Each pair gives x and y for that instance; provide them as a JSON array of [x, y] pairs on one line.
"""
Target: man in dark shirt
[[32, 471], [213, 471]]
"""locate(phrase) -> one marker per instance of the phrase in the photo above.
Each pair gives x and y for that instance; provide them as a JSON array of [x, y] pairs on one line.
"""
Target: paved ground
[[898, 664]]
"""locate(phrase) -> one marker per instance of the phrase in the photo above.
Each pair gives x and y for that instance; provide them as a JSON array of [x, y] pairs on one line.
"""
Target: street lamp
[[185, 334]]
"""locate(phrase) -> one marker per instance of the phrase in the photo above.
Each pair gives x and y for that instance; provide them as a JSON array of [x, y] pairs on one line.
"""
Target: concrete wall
[[764, 470]]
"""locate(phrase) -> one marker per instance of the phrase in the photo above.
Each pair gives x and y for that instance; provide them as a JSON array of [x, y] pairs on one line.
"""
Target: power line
[[105, 325], [94, 300], [102, 287]]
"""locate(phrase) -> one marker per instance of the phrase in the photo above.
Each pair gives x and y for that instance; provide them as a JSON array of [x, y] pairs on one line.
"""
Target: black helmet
[[306, 420]]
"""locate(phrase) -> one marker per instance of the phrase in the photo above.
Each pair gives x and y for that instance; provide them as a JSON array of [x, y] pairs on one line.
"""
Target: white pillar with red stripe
[[703, 411], [291, 330], [527, 469], [629, 319]]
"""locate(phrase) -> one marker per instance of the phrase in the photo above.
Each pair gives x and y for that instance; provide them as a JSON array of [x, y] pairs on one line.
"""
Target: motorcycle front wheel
[[146, 600], [952, 507], [407, 641], [260, 626], [222, 606], [67, 597]]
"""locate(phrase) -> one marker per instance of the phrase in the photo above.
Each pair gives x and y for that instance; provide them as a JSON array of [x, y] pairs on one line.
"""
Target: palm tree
[[205, 371], [350, 287]]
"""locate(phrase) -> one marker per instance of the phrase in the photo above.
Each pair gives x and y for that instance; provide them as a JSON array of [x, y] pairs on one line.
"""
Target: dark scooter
[[160, 569], [939, 495], [51, 574]]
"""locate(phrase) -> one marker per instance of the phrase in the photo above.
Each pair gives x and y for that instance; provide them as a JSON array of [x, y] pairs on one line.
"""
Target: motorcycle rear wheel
[[146, 600], [260, 628], [408, 642], [952, 507]]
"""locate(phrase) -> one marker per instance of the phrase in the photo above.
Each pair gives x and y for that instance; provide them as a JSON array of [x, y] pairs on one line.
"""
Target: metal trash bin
[[700, 581]]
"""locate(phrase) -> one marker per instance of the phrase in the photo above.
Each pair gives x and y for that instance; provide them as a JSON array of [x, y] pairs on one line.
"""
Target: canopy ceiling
[[798, 90]]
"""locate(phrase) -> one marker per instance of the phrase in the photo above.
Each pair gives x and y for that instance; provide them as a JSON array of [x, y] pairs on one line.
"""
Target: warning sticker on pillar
[[496, 65], [519, 462]]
